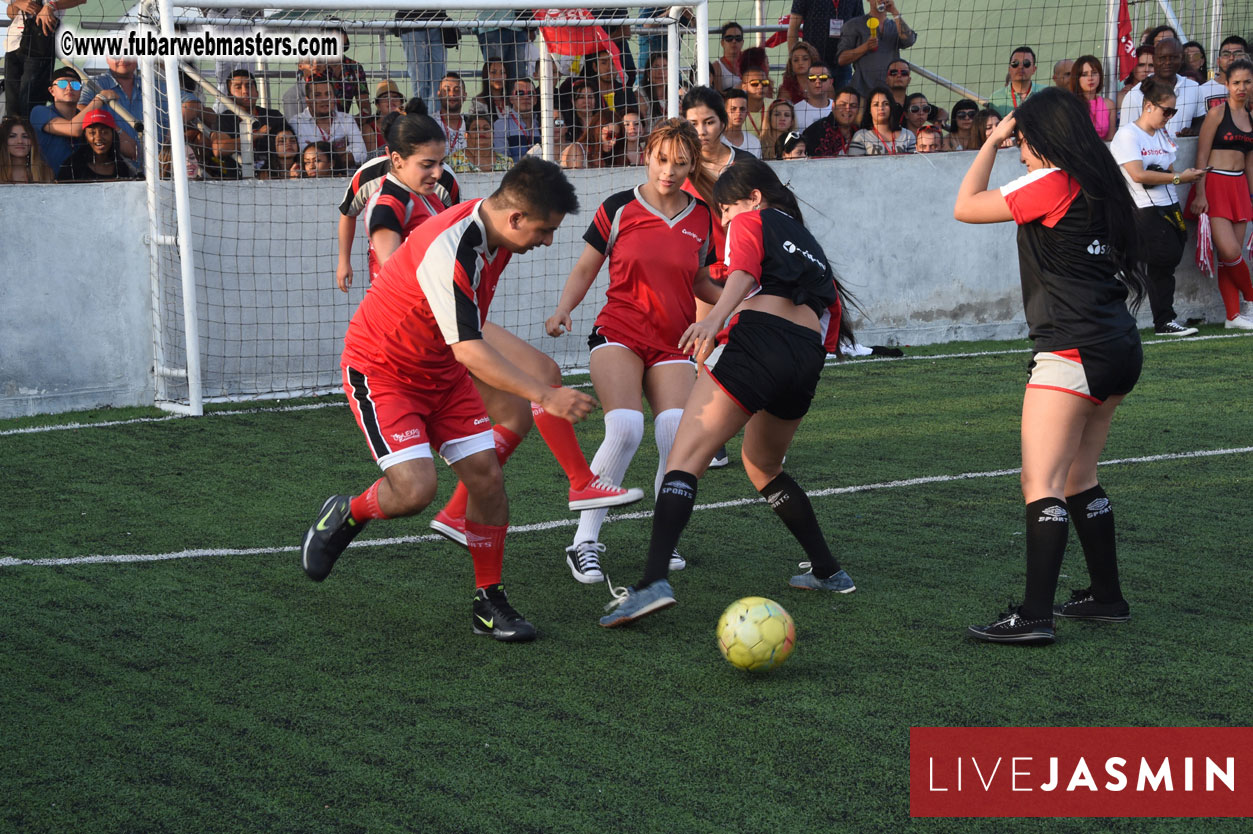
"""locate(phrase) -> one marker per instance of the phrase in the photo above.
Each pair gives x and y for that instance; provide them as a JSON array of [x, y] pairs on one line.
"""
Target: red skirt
[[1227, 195]]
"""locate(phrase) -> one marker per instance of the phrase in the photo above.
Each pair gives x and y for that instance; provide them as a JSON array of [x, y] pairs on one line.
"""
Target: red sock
[[1233, 279], [559, 435], [487, 549], [366, 505], [507, 441]]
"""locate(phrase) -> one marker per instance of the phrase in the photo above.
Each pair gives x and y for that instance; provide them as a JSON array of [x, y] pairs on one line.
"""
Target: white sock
[[665, 426], [624, 429]]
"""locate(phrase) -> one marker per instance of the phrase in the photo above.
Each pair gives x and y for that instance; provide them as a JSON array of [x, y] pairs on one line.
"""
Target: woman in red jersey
[[1076, 239], [657, 239]]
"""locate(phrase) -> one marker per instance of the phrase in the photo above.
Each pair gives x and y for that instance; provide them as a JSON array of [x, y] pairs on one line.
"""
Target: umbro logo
[[1097, 248], [1098, 507], [1054, 513]]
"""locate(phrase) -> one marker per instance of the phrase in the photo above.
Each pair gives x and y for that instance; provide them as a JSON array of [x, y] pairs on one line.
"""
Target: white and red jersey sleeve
[[745, 246], [364, 182], [1044, 195]]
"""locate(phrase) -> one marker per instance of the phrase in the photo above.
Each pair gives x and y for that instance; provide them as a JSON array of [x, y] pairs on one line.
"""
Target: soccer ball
[[756, 634]]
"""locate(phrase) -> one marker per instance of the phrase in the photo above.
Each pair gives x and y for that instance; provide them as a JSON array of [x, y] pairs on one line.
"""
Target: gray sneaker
[[629, 604], [841, 582]]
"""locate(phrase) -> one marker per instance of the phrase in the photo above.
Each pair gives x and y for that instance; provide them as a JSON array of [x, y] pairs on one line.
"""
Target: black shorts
[[1096, 372], [766, 362]]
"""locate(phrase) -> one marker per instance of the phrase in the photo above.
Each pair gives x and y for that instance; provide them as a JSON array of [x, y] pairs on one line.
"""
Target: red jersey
[[653, 260], [369, 177], [433, 292], [395, 206], [786, 260]]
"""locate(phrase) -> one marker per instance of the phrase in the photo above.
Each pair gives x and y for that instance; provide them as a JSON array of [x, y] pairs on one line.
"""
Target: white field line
[[572, 522], [851, 363]]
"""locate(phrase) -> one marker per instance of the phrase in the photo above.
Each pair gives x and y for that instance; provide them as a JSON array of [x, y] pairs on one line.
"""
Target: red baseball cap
[[99, 116]]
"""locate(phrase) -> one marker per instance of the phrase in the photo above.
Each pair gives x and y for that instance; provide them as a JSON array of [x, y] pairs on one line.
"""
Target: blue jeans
[[509, 45], [427, 60]]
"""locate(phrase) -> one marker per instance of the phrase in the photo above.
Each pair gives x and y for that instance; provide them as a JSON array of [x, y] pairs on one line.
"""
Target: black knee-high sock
[[1047, 531], [674, 509], [791, 505], [1093, 517]]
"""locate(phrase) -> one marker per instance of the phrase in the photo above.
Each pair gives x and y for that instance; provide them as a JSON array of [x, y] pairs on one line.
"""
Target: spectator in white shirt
[[1189, 106], [737, 113], [322, 121], [817, 102]]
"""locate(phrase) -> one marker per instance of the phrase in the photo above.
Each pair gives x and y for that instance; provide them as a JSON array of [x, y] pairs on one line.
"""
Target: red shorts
[[1228, 196], [603, 335], [401, 422]]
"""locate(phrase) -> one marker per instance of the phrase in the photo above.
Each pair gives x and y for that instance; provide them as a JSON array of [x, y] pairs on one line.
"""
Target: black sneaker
[[1083, 606], [328, 537], [493, 615], [1010, 627], [1174, 328], [720, 459]]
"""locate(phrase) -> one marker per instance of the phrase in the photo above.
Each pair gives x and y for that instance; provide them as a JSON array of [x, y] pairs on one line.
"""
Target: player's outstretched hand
[[698, 340], [558, 323], [568, 404], [343, 277]]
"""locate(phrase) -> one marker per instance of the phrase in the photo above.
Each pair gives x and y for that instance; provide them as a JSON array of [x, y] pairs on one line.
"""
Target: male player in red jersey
[[408, 355]]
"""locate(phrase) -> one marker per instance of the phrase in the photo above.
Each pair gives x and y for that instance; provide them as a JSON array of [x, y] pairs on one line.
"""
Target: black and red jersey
[[433, 292], [785, 260], [1070, 291], [369, 178], [395, 206], [720, 234], [652, 262]]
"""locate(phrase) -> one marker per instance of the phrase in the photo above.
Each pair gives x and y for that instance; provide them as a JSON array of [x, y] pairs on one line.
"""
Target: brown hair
[[37, 169], [679, 132]]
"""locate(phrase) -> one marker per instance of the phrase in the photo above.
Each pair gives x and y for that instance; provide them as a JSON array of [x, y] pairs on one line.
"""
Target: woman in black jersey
[[760, 373], [1076, 236]]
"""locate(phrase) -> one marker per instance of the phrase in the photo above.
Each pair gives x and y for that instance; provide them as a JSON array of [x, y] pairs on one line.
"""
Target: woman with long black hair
[[1076, 237], [760, 375]]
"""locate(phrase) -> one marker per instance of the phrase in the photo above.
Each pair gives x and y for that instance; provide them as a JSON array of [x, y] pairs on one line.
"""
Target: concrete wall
[[74, 330], [75, 298]]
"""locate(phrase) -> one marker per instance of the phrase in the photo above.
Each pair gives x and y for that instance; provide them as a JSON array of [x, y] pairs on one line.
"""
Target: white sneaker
[[584, 561], [1240, 323], [677, 562]]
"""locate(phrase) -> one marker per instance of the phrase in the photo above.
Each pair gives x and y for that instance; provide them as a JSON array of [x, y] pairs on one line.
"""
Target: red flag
[[1126, 43], [780, 37], [578, 40]]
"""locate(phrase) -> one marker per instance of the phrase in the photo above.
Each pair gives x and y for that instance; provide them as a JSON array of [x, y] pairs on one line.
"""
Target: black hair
[[1157, 30], [1155, 89], [1240, 64], [1021, 49], [241, 73], [385, 123], [848, 89], [537, 188], [787, 142], [914, 97], [1142, 49], [1237, 40], [1056, 127], [512, 86], [705, 97], [727, 95], [895, 111], [1204, 57], [320, 78], [962, 105], [416, 106], [728, 26], [409, 132]]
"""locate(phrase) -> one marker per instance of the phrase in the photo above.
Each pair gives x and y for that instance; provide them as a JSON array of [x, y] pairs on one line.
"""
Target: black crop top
[[1229, 137]]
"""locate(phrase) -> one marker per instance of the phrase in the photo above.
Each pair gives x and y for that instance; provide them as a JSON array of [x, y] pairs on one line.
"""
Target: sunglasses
[[733, 38], [898, 72], [1169, 112], [1026, 63], [67, 84], [964, 114], [755, 84], [919, 108], [793, 135], [819, 78]]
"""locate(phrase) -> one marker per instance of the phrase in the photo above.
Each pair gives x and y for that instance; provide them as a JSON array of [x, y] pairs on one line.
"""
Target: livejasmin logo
[[1080, 771]]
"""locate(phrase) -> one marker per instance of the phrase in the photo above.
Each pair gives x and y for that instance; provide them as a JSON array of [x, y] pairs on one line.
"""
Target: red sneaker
[[600, 493], [453, 529]]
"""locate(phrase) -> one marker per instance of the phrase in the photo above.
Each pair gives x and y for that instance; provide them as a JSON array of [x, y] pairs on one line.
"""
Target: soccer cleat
[[600, 493], [1083, 606], [629, 604], [720, 459], [495, 617], [1240, 323], [453, 529], [839, 582], [584, 561], [677, 562], [1174, 328], [1010, 627], [328, 536]]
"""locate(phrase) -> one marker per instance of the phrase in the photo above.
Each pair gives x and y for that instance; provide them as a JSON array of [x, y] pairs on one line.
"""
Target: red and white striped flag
[[1126, 43]]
